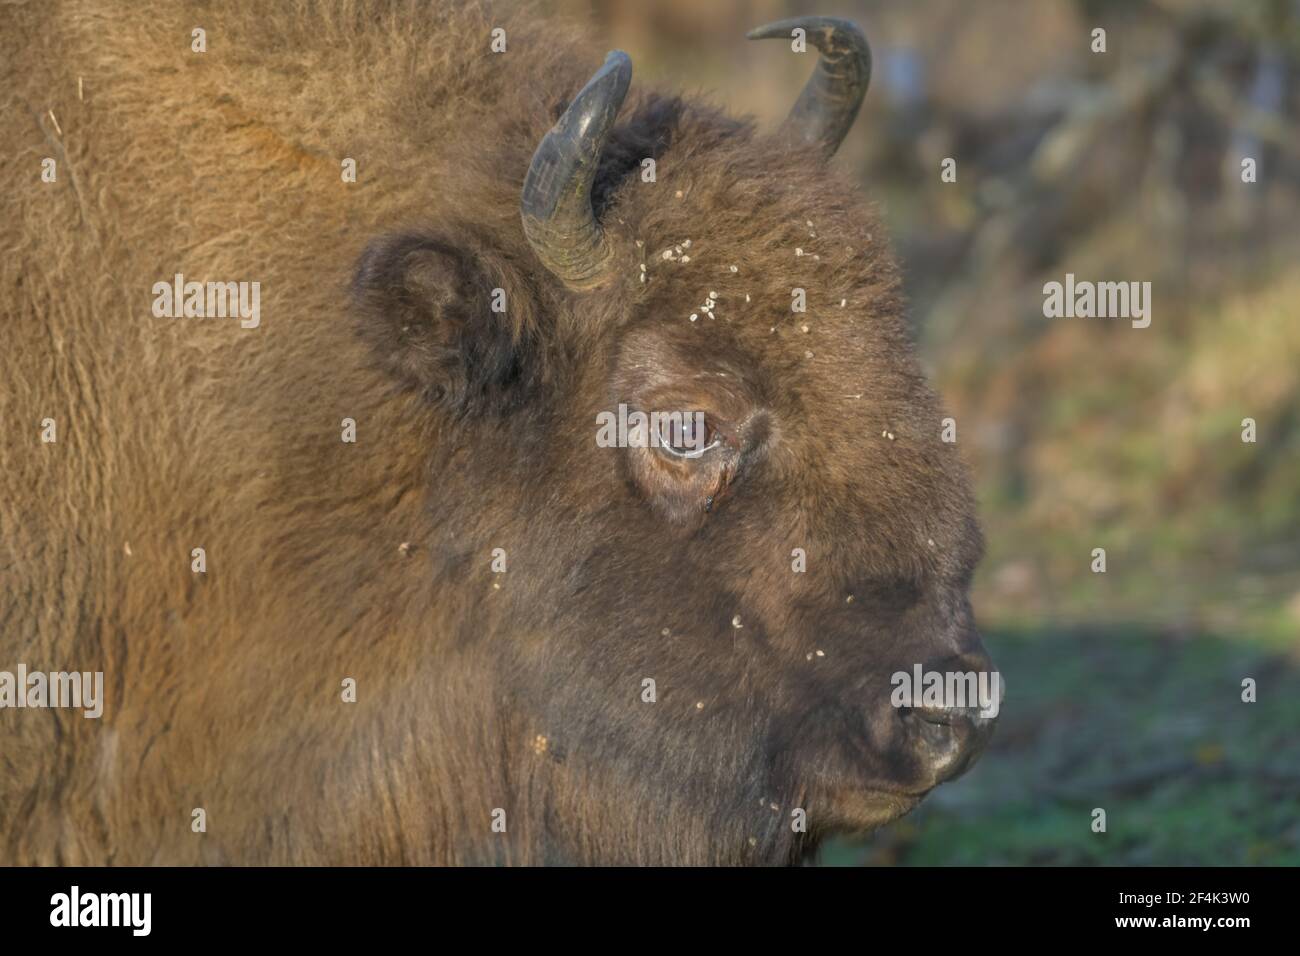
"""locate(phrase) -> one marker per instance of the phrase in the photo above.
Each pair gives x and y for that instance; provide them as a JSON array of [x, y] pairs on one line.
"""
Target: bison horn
[[556, 203], [830, 99]]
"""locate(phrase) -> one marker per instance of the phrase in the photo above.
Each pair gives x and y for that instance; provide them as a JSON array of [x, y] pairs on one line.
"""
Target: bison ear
[[439, 318]]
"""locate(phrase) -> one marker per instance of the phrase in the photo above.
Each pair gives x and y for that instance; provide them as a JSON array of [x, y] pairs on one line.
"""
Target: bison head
[[684, 649]]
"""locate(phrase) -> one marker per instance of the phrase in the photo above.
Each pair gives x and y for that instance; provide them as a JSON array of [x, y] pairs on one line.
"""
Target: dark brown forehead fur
[[743, 220]]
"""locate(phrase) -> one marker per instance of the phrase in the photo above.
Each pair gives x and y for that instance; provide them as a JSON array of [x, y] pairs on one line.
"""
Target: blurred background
[[1124, 688]]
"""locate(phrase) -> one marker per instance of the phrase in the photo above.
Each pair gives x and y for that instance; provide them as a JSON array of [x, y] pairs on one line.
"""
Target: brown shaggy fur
[[475, 431]]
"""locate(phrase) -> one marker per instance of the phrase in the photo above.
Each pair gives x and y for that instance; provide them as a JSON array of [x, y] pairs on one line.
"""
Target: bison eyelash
[[667, 446], [697, 453]]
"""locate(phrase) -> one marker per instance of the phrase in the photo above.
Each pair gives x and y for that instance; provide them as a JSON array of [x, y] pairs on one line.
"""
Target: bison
[[361, 583]]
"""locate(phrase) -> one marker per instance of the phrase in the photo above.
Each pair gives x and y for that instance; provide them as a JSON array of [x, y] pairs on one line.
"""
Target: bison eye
[[687, 436]]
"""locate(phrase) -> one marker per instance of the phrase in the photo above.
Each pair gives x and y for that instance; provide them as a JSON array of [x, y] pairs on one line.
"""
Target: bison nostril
[[946, 713], [947, 739]]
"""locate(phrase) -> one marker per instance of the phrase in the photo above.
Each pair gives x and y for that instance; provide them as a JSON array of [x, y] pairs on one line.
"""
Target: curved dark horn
[[556, 201], [830, 99]]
